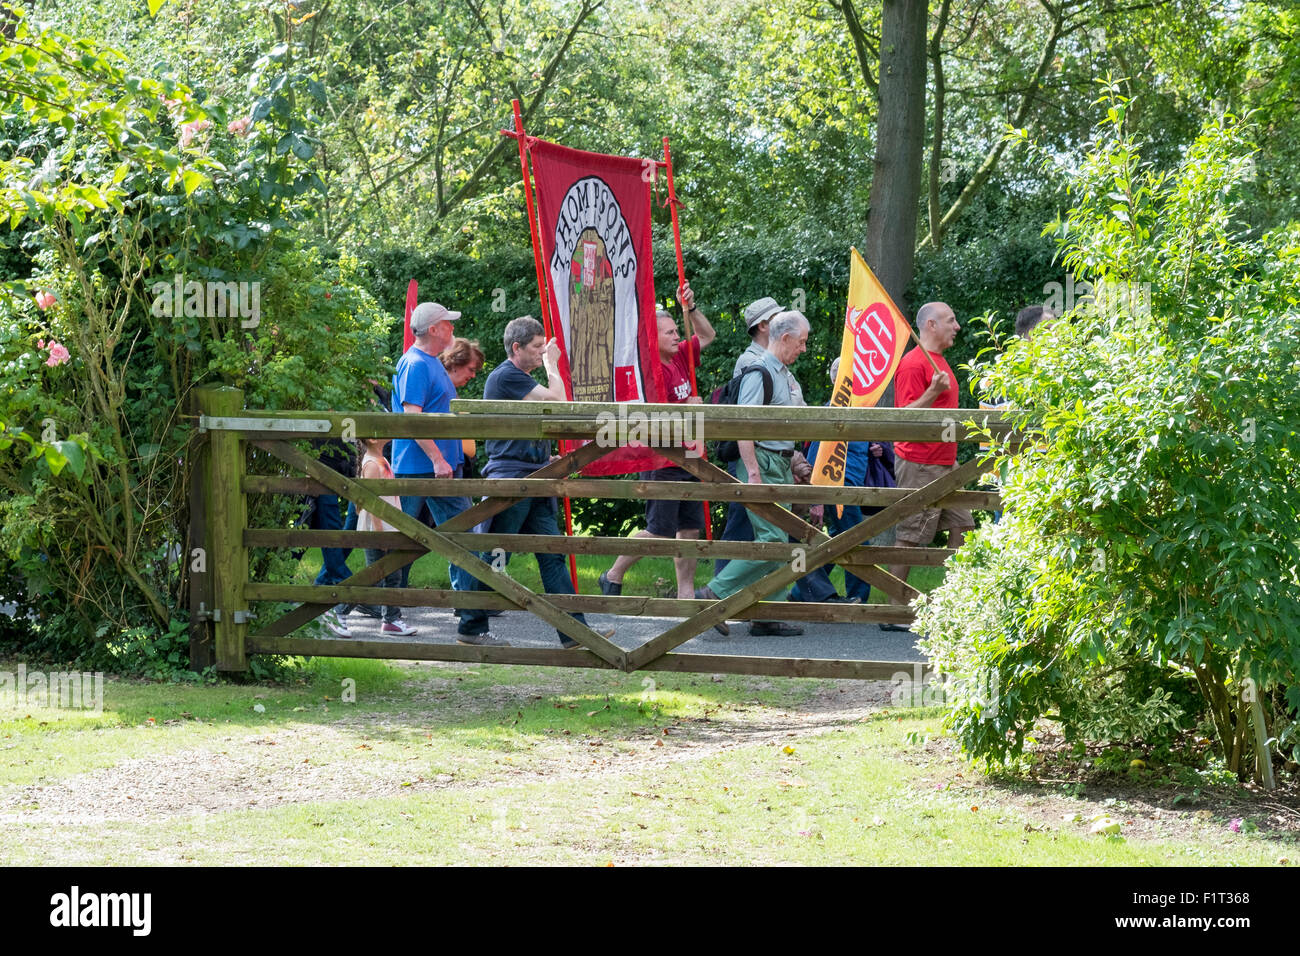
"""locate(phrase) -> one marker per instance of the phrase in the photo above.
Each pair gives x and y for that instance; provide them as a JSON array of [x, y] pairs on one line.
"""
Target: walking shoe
[[481, 640], [889, 626], [774, 629], [609, 587], [841, 599], [704, 594], [336, 625], [397, 627]]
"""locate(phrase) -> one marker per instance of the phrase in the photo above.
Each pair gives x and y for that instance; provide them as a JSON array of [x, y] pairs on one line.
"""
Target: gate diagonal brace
[[435, 541], [828, 549], [792, 524]]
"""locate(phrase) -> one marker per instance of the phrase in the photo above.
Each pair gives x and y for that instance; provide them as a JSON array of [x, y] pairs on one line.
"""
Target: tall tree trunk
[[900, 137]]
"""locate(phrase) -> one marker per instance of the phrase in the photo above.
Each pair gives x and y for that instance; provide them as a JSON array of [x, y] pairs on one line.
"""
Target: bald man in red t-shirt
[[918, 385]]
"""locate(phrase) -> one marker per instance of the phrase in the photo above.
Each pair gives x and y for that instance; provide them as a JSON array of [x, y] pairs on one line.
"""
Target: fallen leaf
[[787, 749]]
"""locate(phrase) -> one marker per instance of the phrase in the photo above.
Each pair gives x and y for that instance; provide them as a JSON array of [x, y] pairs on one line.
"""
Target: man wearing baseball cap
[[422, 385]]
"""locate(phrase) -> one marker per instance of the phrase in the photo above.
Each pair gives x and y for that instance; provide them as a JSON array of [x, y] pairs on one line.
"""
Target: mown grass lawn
[[453, 763]]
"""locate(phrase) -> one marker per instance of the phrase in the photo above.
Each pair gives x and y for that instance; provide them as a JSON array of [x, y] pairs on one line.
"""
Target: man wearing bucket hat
[[758, 315]]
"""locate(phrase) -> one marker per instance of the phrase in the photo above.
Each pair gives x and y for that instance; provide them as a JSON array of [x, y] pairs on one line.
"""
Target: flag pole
[[681, 268], [412, 297], [535, 234], [686, 313], [910, 331]]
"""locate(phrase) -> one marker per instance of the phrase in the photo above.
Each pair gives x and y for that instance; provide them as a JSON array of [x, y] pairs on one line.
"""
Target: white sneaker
[[336, 624], [398, 628]]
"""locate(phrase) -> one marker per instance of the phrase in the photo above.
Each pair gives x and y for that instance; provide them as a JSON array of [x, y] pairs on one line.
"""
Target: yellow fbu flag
[[875, 335]]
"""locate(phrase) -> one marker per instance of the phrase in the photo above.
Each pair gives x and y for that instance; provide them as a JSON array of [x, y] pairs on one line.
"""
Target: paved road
[[819, 640]]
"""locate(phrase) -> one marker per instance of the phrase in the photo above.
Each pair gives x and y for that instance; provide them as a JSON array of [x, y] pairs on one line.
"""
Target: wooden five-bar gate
[[225, 631]]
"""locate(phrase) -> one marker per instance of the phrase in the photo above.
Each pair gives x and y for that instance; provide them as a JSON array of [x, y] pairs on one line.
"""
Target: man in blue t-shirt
[[421, 385], [526, 349]]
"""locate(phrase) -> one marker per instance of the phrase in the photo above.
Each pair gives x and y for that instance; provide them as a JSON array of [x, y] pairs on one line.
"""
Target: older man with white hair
[[766, 461]]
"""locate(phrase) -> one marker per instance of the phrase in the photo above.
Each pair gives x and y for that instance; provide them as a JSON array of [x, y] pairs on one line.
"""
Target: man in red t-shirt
[[917, 384], [672, 519]]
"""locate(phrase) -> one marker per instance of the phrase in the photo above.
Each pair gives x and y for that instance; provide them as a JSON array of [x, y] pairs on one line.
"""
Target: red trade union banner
[[875, 335], [594, 216]]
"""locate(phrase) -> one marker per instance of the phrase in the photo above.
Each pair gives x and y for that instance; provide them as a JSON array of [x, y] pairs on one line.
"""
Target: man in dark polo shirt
[[918, 385], [672, 519], [526, 349]]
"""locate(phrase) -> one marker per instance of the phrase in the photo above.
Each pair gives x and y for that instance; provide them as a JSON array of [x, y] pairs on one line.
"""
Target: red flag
[[412, 297], [594, 213], [875, 337]]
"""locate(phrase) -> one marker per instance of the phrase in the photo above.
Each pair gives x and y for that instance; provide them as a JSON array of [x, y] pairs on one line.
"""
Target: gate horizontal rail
[[621, 488], [562, 544], [628, 605], [547, 657]]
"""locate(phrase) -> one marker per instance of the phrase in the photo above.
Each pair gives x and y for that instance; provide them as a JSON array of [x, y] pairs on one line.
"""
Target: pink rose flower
[[58, 355], [240, 127], [45, 299], [192, 129]]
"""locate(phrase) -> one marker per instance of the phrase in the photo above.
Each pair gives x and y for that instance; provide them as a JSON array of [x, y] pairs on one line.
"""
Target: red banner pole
[[535, 234], [412, 297], [681, 268], [573, 558], [532, 219], [686, 315]]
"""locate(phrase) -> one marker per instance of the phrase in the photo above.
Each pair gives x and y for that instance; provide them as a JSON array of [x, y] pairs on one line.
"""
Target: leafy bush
[[124, 186], [1154, 532]]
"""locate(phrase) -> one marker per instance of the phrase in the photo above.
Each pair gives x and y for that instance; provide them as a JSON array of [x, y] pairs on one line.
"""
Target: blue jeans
[[816, 585], [334, 561], [441, 509], [528, 516], [393, 579]]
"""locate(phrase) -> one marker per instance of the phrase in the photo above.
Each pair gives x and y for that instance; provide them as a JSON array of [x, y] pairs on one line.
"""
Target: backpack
[[729, 394]]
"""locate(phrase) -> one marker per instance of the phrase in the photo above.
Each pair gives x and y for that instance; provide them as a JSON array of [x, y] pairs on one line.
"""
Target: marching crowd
[[439, 362]]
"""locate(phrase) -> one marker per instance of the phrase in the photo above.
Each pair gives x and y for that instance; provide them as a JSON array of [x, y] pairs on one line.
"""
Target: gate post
[[199, 543], [226, 515]]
